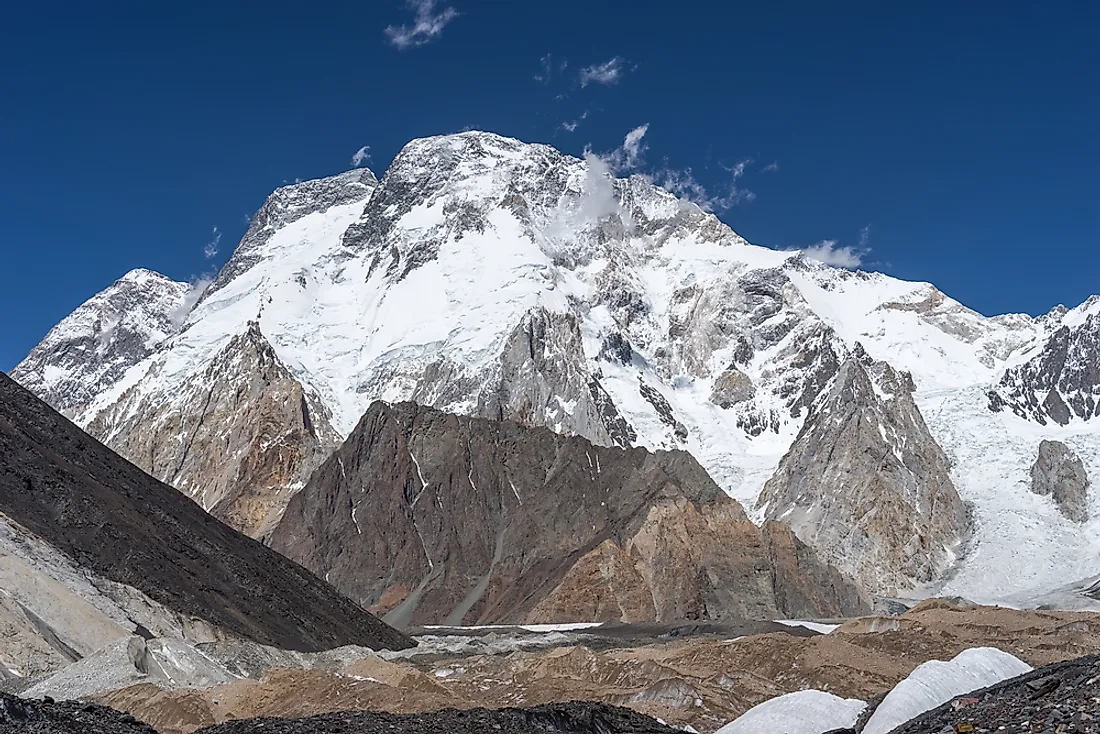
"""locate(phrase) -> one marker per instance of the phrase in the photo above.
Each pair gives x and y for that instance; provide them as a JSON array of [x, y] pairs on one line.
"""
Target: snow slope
[[935, 683], [801, 712], [420, 286]]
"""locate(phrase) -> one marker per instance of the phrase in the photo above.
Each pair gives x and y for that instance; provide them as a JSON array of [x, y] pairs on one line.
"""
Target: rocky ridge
[[429, 517], [1061, 382], [867, 482]]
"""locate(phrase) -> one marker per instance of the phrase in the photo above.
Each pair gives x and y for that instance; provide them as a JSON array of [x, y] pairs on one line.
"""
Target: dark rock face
[[866, 484], [435, 518], [1060, 474], [1057, 698], [567, 718], [1059, 384], [19, 716], [121, 524]]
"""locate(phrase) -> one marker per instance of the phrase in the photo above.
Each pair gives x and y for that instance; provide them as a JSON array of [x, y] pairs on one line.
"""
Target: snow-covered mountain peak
[[287, 205], [92, 347], [486, 276]]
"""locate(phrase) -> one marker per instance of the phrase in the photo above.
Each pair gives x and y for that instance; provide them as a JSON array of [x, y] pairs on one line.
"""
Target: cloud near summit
[[427, 25]]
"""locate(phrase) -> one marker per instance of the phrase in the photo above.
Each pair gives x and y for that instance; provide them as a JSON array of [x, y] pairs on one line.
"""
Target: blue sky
[[951, 142]]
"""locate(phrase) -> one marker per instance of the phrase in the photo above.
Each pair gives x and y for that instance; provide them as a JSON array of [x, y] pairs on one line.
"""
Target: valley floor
[[702, 676]]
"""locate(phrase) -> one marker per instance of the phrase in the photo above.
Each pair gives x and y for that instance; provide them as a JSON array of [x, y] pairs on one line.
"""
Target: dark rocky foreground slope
[[19, 716], [1059, 699], [117, 523], [567, 718], [47, 717], [435, 518]]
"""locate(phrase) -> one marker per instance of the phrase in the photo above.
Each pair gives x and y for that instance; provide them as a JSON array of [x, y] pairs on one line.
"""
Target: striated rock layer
[[430, 517]]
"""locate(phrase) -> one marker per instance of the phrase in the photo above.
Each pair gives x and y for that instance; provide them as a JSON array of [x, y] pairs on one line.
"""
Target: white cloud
[[428, 25], [628, 156], [211, 249], [549, 68], [361, 156], [198, 287], [771, 167], [827, 252], [571, 125], [865, 236], [606, 73], [684, 184]]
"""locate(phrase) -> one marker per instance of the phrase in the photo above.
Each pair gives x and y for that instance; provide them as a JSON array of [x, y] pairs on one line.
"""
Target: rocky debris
[[731, 667], [117, 523], [1061, 383], [1059, 473], [1063, 698], [867, 486], [429, 517], [91, 348], [239, 438], [46, 716], [568, 718]]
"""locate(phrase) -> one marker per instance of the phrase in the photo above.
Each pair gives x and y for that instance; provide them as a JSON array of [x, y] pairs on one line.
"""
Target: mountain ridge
[[659, 326]]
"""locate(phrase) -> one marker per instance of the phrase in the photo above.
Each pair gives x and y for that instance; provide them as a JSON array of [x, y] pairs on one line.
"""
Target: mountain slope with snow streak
[[486, 276]]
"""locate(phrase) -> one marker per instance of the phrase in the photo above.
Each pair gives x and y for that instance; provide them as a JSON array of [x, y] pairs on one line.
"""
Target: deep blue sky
[[965, 138]]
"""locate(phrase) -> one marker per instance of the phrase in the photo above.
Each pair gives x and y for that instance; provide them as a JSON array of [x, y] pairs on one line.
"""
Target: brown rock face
[[435, 518], [240, 438]]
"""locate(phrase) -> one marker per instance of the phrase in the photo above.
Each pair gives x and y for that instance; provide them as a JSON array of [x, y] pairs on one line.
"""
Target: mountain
[[91, 349], [431, 517], [95, 550], [487, 277], [867, 480]]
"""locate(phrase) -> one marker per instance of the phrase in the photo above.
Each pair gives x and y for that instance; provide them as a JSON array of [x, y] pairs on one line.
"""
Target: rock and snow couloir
[[489, 277]]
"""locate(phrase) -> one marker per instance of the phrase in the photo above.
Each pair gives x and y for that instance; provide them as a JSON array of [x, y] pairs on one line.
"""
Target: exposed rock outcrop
[[544, 381], [867, 486], [1062, 382], [432, 518], [239, 438], [135, 538], [1060, 474]]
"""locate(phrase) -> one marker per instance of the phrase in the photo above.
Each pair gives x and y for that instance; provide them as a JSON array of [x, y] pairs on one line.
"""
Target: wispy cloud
[[549, 68], [361, 156], [828, 252], [683, 183], [628, 156], [211, 249], [771, 167], [571, 125], [427, 25], [865, 236], [198, 284], [609, 72]]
